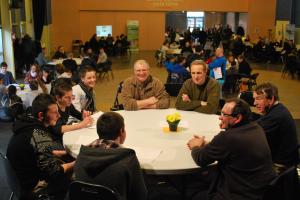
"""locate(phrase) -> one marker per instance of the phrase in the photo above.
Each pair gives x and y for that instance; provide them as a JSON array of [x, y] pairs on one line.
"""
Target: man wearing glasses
[[279, 126], [244, 159]]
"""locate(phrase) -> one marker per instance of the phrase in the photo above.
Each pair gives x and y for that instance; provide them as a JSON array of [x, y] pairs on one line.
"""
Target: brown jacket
[[132, 91], [208, 92]]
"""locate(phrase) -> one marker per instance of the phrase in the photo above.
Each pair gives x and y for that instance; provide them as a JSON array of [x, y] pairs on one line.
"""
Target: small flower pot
[[173, 127]]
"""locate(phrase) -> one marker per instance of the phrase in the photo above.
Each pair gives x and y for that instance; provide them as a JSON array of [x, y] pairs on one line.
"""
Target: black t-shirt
[[63, 120]]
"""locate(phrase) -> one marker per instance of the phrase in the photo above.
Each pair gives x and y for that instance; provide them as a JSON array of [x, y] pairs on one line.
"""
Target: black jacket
[[280, 129], [244, 163], [116, 168], [30, 154]]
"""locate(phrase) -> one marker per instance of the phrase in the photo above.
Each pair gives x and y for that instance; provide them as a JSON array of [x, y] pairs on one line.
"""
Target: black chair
[[173, 88], [248, 97], [252, 81], [231, 84], [117, 105], [103, 71], [11, 178], [81, 190], [284, 186]]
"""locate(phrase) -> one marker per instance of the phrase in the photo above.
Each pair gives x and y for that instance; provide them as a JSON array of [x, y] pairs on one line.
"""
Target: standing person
[[244, 167], [7, 75], [106, 162], [199, 93], [218, 66], [84, 96], [244, 67], [279, 126], [142, 91], [30, 153]]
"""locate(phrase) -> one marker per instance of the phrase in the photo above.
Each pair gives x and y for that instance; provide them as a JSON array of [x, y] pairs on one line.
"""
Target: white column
[[6, 36]]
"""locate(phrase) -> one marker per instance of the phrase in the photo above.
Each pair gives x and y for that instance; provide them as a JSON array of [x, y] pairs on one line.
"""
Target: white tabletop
[[158, 150], [27, 95], [60, 61]]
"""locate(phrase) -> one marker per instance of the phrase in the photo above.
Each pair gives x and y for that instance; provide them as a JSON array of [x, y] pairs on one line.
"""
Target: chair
[[117, 105], [284, 186], [105, 69], [231, 84], [11, 178], [173, 88], [252, 81], [248, 97], [80, 190]]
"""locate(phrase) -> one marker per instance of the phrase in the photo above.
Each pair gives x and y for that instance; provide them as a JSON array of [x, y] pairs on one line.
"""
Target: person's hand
[[152, 100], [87, 122], [185, 98], [203, 103], [196, 141], [86, 113]]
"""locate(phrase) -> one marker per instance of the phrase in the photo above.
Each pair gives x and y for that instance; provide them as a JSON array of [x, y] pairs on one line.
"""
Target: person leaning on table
[[142, 91], [199, 93], [106, 162], [244, 167]]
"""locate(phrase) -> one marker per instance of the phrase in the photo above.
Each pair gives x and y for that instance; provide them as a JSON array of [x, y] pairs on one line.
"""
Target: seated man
[[7, 75], [243, 155], [278, 124], [200, 93], [107, 163], [30, 152], [64, 94], [142, 91]]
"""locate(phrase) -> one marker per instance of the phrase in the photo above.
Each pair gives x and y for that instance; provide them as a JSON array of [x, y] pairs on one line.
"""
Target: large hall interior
[[45, 33]]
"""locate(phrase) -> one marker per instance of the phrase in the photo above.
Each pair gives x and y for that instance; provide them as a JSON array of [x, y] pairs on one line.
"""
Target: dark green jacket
[[208, 92]]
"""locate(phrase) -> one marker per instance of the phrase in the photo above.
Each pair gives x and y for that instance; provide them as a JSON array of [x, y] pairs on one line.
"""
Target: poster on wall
[[133, 33]]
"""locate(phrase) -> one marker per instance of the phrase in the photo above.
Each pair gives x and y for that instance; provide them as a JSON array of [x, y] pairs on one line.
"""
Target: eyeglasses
[[227, 115]]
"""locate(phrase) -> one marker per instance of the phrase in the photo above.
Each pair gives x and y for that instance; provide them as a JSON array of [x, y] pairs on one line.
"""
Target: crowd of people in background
[[207, 59]]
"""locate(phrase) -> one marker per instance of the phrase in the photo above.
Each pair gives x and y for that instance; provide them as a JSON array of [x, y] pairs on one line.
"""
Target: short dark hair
[[41, 103], [268, 89], [61, 88], [3, 64], [84, 70], [60, 68], [241, 107], [109, 125], [60, 81], [34, 85], [11, 90]]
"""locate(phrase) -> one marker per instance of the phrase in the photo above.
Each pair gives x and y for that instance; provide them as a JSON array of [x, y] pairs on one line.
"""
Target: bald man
[[218, 66], [142, 91]]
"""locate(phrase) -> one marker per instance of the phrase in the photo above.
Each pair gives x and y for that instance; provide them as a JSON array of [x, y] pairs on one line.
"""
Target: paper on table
[[85, 140], [218, 73], [95, 118], [146, 154]]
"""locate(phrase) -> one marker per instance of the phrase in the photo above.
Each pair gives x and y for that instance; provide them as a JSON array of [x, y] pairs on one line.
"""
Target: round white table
[[27, 95], [158, 150]]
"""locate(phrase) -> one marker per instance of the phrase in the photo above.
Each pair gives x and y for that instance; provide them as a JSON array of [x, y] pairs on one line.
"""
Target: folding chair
[[117, 105], [80, 190], [105, 69]]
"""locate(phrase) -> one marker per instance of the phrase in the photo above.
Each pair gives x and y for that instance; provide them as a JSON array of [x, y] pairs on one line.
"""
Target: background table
[[158, 151], [60, 61]]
